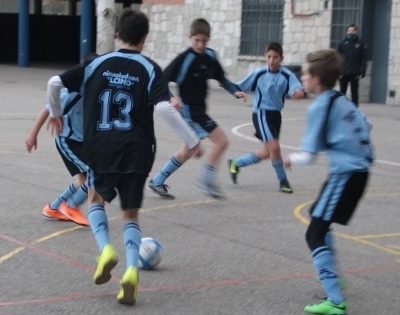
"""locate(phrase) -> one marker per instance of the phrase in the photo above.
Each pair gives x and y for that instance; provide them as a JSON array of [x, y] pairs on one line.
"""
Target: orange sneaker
[[74, 214], [54, 214]]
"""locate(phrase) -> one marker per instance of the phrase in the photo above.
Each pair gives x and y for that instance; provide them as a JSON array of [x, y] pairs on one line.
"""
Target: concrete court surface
[[244, 255]]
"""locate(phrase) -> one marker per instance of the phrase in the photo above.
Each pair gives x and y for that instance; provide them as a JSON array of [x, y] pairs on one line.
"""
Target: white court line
[[236, 132]]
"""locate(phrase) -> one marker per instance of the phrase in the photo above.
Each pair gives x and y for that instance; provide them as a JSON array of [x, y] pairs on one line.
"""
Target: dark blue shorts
[[71, 152], [267, 124]]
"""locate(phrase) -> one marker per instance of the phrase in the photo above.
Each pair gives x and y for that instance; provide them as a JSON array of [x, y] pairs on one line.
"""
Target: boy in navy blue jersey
[[336, 126], [270, 85], [190, 71], [119, 92]]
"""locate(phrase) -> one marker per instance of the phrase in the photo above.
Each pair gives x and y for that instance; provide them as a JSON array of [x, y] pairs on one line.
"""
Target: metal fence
[[344, 12], [262, 22]]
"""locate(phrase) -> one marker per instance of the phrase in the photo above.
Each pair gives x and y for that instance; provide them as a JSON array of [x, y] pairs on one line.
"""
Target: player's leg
[[277, 163], [72, 152], [251, 158], [100, 190], [208, 175], [157, 183], [130, 189]]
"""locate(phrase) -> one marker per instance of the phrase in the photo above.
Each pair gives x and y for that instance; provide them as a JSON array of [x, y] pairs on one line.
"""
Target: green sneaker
[[285, 187], [327, 308], [105, 263], [129, 287], [233, 170]]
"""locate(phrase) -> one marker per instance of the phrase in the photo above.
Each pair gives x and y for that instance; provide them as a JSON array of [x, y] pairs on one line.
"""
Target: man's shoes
[[74, 214], [105, 263], [129, 287], [233, 170], [285, 187], [53, 213], [327, 308]]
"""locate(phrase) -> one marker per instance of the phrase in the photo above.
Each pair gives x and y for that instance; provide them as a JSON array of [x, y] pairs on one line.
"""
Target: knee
[[315, 237]]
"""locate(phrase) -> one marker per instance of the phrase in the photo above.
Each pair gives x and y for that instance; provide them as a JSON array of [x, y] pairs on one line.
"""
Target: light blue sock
[[64, 196], [78, 197], [98, 222], [208, 174], [171, 166], [279, 169], [246, 160], [132, 240], [325, 267]]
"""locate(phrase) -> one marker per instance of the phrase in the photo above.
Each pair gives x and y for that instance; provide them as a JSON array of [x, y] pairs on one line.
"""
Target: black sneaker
[[233, 170], [285, 187], [161, 190]]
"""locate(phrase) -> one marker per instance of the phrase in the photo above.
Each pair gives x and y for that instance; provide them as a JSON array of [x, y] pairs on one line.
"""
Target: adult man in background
[[354, 53]]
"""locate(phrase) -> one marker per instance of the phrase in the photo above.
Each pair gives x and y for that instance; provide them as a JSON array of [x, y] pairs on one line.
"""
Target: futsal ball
[[150, 253]]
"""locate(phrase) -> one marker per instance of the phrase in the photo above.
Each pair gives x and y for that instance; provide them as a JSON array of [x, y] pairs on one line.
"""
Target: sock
[[171, 166], [64, 196], [98, 222], [132, 240], [279, 169], [78, 197], [325, 267], [208, 174], [246, 160]]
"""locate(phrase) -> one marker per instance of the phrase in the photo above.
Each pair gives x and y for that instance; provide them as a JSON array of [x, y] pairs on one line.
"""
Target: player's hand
[[298, 95], [55, 125], [241, 95], [175, 102], [287, 164], [31, 143]]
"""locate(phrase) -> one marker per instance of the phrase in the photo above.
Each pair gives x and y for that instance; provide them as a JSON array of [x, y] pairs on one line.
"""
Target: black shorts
[[339, 197], [199, 121], [71, 152], [129, 187], [267, 124]]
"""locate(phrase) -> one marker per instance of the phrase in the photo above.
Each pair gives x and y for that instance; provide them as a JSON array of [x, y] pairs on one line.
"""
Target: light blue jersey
[[72, 109], [270, 88], [341, 130]]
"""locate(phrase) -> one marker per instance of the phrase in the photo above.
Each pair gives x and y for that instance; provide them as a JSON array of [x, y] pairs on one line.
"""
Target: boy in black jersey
[[190, 71], [120, 90]]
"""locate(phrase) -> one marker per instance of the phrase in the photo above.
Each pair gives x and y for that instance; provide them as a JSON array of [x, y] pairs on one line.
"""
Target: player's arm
[[31, 141], [295, 88]]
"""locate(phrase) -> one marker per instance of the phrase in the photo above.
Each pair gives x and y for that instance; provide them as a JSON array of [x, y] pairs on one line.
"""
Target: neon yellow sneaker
[[105, 263], [233, 170], [129, 286], [327, 308]]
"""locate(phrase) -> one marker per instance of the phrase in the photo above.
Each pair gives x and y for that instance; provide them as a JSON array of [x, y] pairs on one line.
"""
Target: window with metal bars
[[344, 13], [262, 22]]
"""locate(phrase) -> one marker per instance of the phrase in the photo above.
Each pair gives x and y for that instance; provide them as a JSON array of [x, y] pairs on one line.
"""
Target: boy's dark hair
[[200, 26], [86, 59], [132, 26], [275, 46], [352, 25], [325, 64]]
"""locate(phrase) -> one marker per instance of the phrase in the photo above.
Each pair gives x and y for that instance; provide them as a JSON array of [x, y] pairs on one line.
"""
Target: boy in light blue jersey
[[69, 144], [270, 85], [336, 126]]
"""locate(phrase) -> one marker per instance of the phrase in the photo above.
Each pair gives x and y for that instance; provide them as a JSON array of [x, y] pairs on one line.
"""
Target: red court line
[[199, 285]]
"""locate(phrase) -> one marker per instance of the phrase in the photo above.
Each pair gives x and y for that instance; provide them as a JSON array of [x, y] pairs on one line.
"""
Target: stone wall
[[393, 97]]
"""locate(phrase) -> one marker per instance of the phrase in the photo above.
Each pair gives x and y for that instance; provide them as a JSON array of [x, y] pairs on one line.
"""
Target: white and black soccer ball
[[150, 253]]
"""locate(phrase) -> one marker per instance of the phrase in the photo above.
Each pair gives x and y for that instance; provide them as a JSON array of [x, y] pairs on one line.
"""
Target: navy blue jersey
[[191, 70], [119, 92], [270, 88]]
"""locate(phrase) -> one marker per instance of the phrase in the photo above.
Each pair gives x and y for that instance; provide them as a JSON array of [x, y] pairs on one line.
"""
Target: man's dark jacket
[[354, 53]]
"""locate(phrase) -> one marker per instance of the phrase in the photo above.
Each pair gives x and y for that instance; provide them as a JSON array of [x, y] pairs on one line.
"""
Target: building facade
[[242, 28]]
